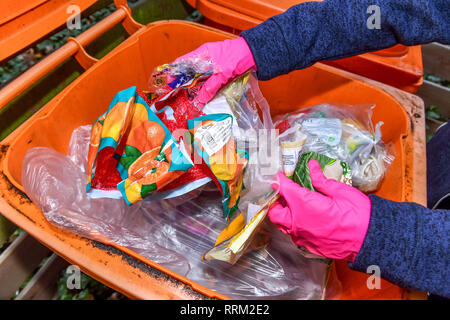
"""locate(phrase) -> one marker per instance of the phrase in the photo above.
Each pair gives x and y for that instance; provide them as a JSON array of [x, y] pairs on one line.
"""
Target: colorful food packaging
[[214, 143], [332, 169], [132, 154], [224, 138], [215, 137], [237, 237], [167, 77], [174, 108]]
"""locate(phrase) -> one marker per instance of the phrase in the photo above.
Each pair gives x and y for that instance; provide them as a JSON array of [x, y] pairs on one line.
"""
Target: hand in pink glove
[[232, 58], [332, 223]]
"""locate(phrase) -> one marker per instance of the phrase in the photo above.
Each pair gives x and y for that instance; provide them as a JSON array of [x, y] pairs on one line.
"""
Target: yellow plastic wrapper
[[230, 139], [234, 240]]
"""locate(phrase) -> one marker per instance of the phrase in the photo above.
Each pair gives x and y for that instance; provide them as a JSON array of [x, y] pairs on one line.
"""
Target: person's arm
[[408, 242], [410, 245], [438, 172], [332, 29], [418, 235]]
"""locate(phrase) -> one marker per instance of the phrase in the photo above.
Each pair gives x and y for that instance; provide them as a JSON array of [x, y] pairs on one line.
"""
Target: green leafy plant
[[25, 283], [301, 173], [432, 112], [10, 239], [437, 80]]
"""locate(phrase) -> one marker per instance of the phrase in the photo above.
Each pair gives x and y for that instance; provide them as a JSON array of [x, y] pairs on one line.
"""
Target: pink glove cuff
[[247, 61]]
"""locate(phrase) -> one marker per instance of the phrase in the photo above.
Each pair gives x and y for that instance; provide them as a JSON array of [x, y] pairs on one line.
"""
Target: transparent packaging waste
[[166, 232]]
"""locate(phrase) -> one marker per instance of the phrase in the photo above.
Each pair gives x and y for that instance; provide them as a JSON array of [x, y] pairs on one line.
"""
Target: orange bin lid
[[258, 9], [22, 22], [398, 66]]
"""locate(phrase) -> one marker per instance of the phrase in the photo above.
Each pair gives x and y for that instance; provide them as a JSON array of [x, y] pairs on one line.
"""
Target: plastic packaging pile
[[165, 232], [203, 176], [188, 186], [335, 132]]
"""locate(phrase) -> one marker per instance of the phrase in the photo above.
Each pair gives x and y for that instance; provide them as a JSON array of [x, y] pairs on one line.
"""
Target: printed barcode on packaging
[[214, 136], [209, 141]]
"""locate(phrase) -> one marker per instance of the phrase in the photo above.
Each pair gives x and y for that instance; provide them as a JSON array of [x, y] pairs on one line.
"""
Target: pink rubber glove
[[231, 57], [332, 223]]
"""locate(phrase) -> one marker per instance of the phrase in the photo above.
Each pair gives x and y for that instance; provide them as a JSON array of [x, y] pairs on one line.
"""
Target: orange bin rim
[[398, 66], [131, 63]]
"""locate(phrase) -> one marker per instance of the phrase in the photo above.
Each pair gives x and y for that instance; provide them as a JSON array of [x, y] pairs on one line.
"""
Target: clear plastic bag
[[167, 233], [79, 146], [238, 148], [342, 132], [256, 142], [168, 77]]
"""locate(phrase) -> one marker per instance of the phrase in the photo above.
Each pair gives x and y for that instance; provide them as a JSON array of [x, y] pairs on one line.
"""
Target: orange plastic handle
[[72, 47]]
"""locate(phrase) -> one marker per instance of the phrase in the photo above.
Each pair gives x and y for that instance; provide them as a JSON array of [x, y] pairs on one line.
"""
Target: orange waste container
[[131, 63], [398, 66]]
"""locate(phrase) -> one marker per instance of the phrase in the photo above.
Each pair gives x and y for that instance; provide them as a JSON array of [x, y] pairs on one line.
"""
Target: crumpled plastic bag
[[342, 132], [245, 167], [230, 141], [173, 88], [166, 232]]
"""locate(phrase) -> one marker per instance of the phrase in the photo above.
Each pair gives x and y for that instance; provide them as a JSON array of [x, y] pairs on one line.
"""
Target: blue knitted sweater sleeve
[[409, 243], [332, 29]]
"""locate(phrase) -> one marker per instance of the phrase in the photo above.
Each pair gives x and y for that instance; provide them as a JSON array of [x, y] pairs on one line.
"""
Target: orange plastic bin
[[398, 66], [131, 63]]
